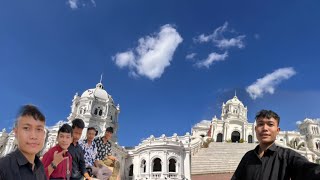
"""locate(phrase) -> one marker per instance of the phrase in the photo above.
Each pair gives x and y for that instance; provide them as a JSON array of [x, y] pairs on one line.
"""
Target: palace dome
[[97, 92], [234, 101]]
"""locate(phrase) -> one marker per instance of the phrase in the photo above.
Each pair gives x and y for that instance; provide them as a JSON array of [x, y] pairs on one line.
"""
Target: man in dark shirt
[[271, 162], [29, 132], [78, 163]]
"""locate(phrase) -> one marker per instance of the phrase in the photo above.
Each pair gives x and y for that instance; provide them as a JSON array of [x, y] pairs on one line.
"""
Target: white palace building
[[234, 127], [165, 157], [169, 157]]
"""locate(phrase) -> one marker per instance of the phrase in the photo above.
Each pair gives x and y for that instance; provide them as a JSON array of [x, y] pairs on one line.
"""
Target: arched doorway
[[250, 139], [235, 136], [131, 170], [219, 137]]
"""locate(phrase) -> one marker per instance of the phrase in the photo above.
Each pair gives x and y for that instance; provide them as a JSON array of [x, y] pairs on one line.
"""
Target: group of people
[[70, 159]]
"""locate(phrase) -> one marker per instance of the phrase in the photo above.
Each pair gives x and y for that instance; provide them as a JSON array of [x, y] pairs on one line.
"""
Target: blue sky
[[169, 64]]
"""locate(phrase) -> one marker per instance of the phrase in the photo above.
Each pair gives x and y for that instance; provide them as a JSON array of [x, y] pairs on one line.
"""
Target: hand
[[112, 158], [58, 157]]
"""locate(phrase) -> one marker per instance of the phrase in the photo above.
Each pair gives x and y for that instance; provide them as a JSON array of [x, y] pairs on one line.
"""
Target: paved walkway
[[226, 176]]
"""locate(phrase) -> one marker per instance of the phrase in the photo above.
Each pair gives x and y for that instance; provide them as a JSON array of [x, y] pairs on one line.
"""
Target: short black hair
[[29, 110], [109, 129], [77, 123], [92, 128], [268, 114], [65, 128]]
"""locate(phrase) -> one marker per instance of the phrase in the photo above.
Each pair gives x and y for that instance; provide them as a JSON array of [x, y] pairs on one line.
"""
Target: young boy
[[78, 164], [105, 153], [29, 130], [57, 161], [89, 149], [271, 162]]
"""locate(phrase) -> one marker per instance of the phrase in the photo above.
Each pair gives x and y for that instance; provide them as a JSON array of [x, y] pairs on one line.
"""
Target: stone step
[[219, 158]]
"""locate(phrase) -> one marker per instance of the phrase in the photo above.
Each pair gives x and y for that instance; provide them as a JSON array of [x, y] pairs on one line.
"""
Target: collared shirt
[[61, 171], [78, 163], [277, 163], [90, 152], [103, 148], [16, 166]]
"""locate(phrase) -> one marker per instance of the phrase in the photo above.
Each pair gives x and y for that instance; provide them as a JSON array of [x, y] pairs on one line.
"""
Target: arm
[[302, 168], [52, 157], [112, 158], [1, 175], [240, 171], [46, 160], [82, 164]]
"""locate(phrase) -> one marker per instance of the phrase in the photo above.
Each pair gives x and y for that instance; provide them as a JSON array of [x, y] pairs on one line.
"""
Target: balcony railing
[[156, 174]]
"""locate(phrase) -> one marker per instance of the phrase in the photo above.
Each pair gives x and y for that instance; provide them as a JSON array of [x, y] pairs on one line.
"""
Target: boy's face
[[30, 134], [91, 134], [267, 130], [108, 135], [64, 140], [76, 132]]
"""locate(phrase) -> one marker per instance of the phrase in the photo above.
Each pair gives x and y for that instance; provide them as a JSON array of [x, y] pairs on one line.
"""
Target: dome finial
[[235, 93], [101, 77]]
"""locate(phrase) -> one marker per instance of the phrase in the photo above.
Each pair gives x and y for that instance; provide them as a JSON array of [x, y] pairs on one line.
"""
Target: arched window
[[131, 170], [156, 165], [100, 112], [96, 111], [143, 166], [172, 165]]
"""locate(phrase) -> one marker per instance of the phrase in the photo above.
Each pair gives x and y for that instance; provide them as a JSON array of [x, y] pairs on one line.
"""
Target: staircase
[[219, 157]]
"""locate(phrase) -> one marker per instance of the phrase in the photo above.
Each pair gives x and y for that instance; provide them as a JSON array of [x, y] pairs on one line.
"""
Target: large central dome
[[234, 101], [98, 92]]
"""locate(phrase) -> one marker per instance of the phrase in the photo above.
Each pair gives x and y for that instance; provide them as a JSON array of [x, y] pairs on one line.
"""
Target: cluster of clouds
[[154, 54], [223, 39], [75, 4]]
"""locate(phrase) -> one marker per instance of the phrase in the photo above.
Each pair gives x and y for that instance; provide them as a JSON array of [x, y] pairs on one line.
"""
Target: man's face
[[91, 134], [30, 134], [108, 135], [267, 130], [64, 140], [77, 132]]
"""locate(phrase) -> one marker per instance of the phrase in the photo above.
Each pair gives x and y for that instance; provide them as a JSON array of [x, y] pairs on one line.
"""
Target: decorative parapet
[[163, 140]]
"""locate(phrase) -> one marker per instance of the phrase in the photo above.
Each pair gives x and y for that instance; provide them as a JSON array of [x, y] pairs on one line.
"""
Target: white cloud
[[219, 40], [152, 55], [233, 42], [75, 4], [298, 122], [125, 59], [191, 56], [213, 57], [268, 82], [256, 36]]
